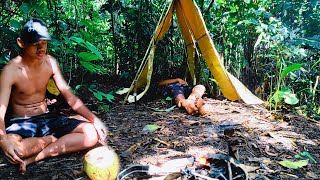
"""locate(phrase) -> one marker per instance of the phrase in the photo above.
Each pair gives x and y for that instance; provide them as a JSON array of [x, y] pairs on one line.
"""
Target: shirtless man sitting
[[33, 133], [179, 89]]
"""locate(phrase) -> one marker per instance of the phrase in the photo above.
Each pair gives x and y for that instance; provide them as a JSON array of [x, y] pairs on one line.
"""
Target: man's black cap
[[34, 30]]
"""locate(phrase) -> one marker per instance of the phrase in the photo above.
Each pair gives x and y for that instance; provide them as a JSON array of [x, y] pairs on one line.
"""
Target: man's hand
[[9, 148], [101, 130], [181, 81]]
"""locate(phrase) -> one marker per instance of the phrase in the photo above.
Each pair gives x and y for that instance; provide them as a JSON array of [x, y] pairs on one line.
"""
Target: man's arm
[[171, 81], [74, 101], [5, 91], [6, 81]]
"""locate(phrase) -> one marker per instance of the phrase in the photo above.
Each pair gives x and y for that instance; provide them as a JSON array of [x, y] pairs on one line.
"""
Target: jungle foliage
[[272, 46]]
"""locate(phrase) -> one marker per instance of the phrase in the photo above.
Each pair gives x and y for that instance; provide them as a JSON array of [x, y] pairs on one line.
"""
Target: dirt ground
[[260, 138]]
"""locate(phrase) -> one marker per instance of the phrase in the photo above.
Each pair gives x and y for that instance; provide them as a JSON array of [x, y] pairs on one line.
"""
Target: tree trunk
[[113, 24], [138, 30], [249, 74]]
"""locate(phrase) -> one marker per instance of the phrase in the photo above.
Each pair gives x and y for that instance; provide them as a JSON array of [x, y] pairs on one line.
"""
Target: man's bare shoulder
[[13, 65], [10, 71], [54, 64], [52, 60]]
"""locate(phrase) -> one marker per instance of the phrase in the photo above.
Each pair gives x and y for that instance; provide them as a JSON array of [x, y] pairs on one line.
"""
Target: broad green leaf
[[88, 56], [294, 164], [77, 40], [290, 98], [88, 66], [93, 49], [98, 96], [150, 128], [108, 96], [289, 69], [168, 98], [286, 95], [276, 96]]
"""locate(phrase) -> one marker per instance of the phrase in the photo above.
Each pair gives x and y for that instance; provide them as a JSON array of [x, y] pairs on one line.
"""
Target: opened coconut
[[101, 163]]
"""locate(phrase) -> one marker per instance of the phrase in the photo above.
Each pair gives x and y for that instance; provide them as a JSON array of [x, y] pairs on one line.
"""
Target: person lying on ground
[[33, 133], [179, 89]]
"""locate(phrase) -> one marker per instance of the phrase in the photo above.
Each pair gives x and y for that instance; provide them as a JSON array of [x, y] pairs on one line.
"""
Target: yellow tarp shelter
[[194, 31]]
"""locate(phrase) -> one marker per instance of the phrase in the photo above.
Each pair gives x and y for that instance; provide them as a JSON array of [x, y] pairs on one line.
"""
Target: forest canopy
[[272, 46]]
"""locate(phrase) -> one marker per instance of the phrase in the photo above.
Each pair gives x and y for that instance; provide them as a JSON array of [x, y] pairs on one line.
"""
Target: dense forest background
[[272, 46]]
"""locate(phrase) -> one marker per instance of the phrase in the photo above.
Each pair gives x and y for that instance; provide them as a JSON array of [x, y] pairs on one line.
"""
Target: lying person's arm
[[172, 81]]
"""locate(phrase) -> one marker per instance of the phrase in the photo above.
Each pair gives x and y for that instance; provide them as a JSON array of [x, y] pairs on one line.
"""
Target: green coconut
[[101, 163]]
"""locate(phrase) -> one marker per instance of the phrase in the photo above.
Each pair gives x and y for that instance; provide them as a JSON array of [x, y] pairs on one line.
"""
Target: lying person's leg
[[187, 104], [196, 97], [82, 137], [197, 92], [178, 92]]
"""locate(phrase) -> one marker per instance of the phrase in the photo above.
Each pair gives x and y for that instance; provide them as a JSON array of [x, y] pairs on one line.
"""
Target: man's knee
[[91, 136], [15, 137]]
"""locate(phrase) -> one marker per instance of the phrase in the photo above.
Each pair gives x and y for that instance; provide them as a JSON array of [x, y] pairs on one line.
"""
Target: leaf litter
[[271, 145]]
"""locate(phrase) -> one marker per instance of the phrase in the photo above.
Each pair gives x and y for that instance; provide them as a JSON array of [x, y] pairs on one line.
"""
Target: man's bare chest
[[32, 83]]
